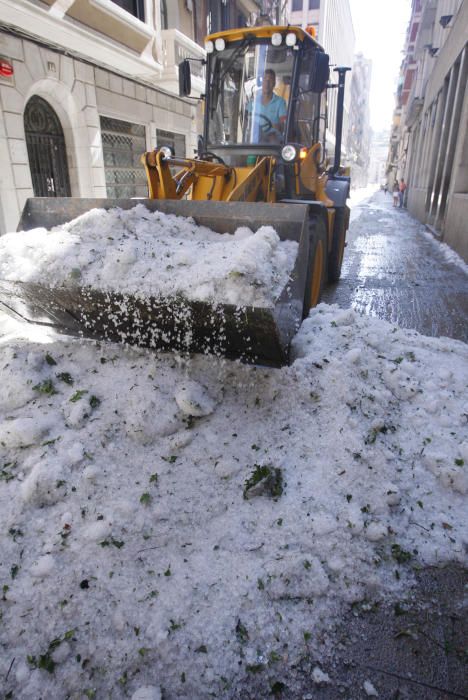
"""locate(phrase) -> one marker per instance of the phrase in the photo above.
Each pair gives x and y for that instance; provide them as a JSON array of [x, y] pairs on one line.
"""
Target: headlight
[[288, 153], [166, 151], [276, 39], [291, 39], [220, 44], [209, 47]]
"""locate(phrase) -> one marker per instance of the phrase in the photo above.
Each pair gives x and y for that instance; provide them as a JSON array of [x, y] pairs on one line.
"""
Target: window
[[175, 141], [123, 143], [314, 4], [135, 7], [296, 6]]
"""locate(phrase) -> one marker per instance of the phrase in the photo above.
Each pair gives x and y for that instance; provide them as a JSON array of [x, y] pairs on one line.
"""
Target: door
[[46, 150]]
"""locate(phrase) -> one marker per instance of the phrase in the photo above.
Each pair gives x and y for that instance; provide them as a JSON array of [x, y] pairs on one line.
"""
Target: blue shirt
[[275, 110]]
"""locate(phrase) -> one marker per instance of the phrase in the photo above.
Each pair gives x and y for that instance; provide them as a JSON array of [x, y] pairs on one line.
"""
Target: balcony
[[111, 20], [175, 47]]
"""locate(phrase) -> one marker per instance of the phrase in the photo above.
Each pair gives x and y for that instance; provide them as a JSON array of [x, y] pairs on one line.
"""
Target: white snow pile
[[152, 254], [178, 530]]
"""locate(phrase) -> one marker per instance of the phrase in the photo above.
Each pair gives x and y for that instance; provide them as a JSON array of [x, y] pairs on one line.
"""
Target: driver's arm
[[282, 111]]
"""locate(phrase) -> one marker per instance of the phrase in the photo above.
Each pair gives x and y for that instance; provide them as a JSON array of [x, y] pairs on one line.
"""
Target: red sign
[[6, 69]]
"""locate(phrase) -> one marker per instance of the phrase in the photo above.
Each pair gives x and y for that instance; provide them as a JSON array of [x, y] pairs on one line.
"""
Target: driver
[[267, 111]]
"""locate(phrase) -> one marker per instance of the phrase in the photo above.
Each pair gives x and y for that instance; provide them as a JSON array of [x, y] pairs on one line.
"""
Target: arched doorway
[[46, 150]]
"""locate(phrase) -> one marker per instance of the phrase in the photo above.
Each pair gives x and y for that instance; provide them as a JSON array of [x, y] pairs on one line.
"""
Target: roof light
[[310, 29], [220, 44], [288, 153], [209, 46], [291, 39], [276, 39]]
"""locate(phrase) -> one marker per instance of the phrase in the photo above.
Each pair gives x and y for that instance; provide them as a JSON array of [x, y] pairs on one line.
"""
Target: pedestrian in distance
[[396, 194], [402, 192]]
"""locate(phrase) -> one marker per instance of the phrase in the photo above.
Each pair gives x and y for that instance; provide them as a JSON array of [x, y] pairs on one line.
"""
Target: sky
[[380, 29]]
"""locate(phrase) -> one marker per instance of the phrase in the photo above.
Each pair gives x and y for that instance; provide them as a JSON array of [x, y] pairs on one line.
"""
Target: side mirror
[[185, 79], [320, 74]]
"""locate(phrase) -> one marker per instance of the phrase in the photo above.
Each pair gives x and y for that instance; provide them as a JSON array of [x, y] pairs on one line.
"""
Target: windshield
[[249, 94]]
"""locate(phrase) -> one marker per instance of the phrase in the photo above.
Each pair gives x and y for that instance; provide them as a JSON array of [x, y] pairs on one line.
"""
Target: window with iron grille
[[135, 7], [122, 144], [175, 141]]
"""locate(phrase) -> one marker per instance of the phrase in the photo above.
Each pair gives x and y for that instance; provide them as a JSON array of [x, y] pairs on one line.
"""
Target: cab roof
[[264, 33]]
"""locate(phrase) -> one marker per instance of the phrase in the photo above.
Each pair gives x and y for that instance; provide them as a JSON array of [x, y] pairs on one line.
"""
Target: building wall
[[378, 158], [437, 138], [333, 22], [359, 131], [80, 92]]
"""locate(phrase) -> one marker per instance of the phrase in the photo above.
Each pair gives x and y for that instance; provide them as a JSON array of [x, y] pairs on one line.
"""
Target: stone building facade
[[359, 130], [429, 145], [334, 27], [86, 86]]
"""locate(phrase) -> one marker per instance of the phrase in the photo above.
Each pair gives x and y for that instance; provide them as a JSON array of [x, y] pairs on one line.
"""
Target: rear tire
[[335, 258], [317, 264]]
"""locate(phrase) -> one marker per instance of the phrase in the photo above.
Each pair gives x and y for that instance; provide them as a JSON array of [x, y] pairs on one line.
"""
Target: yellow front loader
[[261, 161]]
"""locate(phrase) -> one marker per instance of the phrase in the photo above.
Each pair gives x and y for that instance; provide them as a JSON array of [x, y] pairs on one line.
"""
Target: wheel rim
[[316, 283]]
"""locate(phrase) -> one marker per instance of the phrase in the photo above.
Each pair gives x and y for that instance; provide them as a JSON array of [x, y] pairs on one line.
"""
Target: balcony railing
[[175, 48]]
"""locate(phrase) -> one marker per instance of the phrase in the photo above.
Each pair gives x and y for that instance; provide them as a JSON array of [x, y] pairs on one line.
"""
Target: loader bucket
[[251, 334]]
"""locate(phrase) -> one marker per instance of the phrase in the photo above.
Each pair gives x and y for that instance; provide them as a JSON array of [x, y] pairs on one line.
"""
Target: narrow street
[[394, 270]]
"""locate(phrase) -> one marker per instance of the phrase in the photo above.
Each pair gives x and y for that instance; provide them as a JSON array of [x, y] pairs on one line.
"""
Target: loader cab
[[265, 89]]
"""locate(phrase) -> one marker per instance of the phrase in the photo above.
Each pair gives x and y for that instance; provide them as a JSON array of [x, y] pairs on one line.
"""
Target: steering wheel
[[213, 156], [266, 125]]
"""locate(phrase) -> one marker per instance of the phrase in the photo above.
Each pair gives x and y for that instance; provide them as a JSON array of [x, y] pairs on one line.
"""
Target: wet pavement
[[395, 270]]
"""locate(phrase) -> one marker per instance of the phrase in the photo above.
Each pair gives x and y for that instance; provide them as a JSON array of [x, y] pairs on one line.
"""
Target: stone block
[[23, 195], [84, 72], [67, 71], [33, 60], [99, 177], [18, 151], [11, 47], [102, 78], [22, 176], [9, 210], [100, 192], [140, 93], [91, 116], [90, 92], [79, 94], [12, 100], [94, 136], [51, 62], [128, 88], [96, 156], [115, 83], [122, 107], [23, 78], [14, 125], [151, 97]]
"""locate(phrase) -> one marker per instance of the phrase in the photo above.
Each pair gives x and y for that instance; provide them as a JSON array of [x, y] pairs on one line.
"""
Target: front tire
[[335, 259], [316, 266]]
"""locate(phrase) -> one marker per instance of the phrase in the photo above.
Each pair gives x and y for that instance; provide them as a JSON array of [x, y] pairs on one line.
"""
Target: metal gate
[[46, 150], [123, 143]]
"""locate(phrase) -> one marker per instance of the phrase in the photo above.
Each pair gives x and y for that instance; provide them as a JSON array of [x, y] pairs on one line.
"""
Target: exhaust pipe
[[341, 70]]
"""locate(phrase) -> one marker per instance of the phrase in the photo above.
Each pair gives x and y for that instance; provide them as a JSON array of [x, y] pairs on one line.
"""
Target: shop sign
[[6, 71]]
